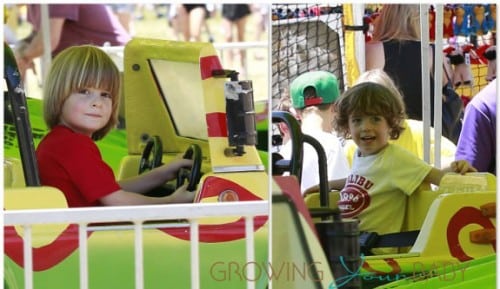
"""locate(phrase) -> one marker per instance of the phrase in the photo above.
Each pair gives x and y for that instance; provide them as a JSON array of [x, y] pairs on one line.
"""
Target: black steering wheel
[[193, 174], [151, 156]]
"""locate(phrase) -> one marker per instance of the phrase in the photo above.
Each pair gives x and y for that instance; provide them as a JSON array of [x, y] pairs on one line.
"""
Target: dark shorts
[[190, 7], [234, 12]]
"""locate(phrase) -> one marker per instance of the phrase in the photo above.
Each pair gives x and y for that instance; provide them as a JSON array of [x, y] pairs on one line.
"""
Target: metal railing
[[85, 216]]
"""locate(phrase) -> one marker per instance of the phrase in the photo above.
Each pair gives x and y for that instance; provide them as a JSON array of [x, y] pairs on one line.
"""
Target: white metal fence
[[85, 216]]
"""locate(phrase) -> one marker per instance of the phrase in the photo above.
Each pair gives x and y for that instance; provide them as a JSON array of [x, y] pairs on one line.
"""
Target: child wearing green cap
[[313, 95]]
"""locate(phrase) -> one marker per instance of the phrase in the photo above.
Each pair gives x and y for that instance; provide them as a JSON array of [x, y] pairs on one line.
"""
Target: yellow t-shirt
[[376, 190]]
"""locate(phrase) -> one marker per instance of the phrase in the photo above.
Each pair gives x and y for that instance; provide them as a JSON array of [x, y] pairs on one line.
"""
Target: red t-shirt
[[72, 163]]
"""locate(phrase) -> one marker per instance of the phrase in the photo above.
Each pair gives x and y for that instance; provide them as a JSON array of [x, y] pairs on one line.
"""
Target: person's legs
[[227, 31], [240, 37], [196, 22], [173, 20], [262, 17], [183, 22]]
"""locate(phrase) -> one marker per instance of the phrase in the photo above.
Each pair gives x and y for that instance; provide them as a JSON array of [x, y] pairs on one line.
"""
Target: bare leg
[[197, 20], [240, 37], [173, 20], [183, 22], [262, 15], [227, 30]]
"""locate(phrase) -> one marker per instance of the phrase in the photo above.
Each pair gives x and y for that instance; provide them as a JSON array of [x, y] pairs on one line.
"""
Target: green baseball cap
[[325, 84]]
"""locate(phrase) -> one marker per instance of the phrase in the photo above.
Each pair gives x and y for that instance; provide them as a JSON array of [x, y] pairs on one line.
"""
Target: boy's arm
[[461, 167], [333, 185], [125, 198], [154, 178]]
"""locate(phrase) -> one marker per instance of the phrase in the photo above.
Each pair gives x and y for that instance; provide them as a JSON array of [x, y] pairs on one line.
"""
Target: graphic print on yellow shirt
[[354, 198], [377, 188]]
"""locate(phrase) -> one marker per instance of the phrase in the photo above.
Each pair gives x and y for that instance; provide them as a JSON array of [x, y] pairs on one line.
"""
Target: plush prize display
[[491, 54], [368, 27], [461, 15], [460, 59], [448, 28], [432, 24], [491, 18], [371, 13], [448, 21], [479, 25]]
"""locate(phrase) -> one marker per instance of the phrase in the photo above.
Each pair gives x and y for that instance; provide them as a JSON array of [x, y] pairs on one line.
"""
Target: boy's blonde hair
[[370, 98], [75, 68], [397, 22]]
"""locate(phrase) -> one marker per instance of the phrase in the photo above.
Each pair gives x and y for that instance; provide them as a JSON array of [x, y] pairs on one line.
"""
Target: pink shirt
[[85, 24]]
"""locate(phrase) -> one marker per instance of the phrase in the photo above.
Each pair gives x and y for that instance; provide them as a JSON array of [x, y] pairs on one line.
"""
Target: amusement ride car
[[178, 103]]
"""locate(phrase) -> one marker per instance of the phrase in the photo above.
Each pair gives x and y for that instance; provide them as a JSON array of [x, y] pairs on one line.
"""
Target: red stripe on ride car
[[216, 124], [44, 257], [208, 64], [217, 233], [214, 233], [214, 186]]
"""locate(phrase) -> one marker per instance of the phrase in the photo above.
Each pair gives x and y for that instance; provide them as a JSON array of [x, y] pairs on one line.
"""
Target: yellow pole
[[350, 45]]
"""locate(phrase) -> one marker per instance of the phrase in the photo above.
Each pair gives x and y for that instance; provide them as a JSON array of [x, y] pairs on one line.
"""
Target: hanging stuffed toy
[[432, 24], [491, 19], [448, 22], [460, 59], [370, 16], [460, 26], [463, 71], [367, 27], [491, 55], [480, 53], [479, 25]]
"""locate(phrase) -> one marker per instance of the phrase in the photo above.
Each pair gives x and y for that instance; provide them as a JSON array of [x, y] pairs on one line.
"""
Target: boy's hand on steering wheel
[[170, 170], [181, 163], [182, 195]]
